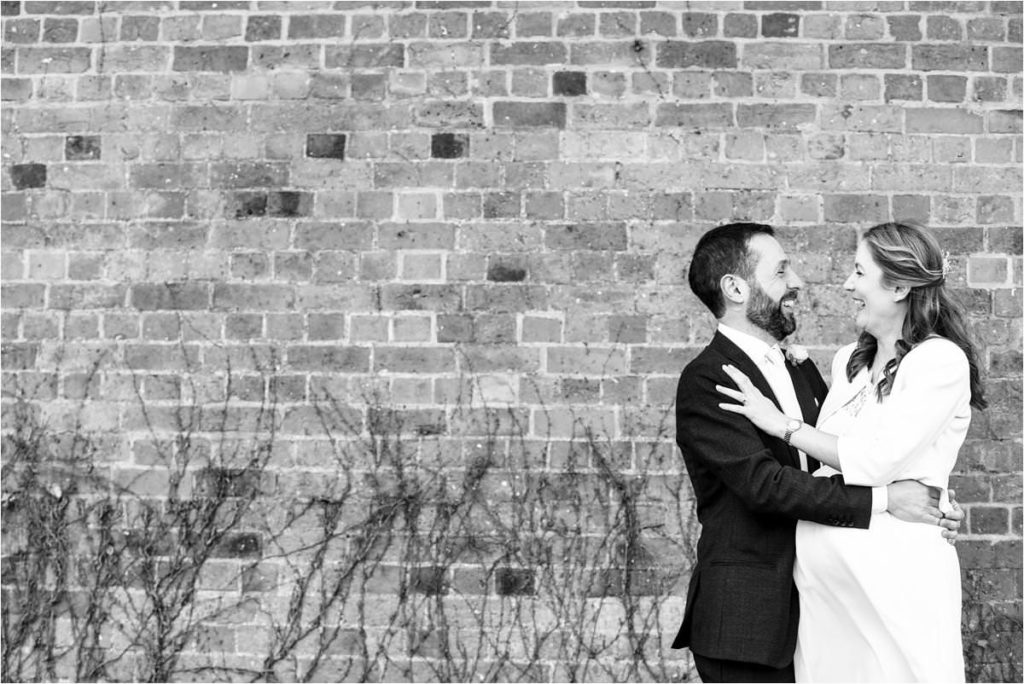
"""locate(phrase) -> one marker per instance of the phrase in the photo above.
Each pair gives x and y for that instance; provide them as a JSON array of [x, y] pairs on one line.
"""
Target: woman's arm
[[763, 413]]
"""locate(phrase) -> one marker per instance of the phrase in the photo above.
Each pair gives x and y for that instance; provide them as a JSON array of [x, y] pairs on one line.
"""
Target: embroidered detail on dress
[[856, 403]]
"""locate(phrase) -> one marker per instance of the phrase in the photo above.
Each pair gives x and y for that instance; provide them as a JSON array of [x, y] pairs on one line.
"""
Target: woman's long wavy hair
[[908, 255]]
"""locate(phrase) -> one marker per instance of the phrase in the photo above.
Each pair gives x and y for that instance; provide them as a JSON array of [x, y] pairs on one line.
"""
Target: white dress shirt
[[770, 360]]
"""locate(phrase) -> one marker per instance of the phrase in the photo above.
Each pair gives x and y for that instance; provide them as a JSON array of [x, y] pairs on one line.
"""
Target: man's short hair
[[721, 251]]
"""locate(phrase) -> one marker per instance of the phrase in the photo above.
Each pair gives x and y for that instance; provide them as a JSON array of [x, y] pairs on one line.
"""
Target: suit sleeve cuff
[[879, 500]]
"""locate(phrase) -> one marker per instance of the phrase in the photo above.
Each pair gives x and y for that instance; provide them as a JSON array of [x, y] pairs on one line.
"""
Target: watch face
[[793, 424]]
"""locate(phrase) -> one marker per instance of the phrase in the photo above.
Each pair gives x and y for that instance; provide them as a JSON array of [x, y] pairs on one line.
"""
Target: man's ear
[[734, 288], [900, 292]]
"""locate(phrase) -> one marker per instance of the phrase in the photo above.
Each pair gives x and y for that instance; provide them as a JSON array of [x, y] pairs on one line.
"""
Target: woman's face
[[879, 309]]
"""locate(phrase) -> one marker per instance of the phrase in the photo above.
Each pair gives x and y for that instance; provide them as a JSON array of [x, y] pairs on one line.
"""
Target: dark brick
[[316, 26], [526, 52], [244, 205], [780, 25], [227, 482], [515, 581], [25, 176], [713, 54], [263, 27], [288, 203], [740, 26], [60, 30], [867, 56], [569, 83], [501, 273], [145, 28], [905, 27], [79, 147], [988, 519], [431, 580], [10, 8], [325, 145], [903, 87], [532, 114], [449, 145], [950, 58], [238, 545], [211, 58]]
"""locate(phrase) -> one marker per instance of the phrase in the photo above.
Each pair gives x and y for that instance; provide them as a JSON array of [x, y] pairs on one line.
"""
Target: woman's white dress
[[883, 604]]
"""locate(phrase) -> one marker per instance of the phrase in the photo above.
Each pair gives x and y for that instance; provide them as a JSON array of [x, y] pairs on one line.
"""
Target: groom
[[742, 607]]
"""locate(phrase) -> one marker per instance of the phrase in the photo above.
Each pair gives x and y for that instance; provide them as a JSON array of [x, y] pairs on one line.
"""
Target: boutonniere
[[797, 354]]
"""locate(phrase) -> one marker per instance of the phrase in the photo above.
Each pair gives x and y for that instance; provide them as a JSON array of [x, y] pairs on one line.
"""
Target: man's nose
[[795, 281]]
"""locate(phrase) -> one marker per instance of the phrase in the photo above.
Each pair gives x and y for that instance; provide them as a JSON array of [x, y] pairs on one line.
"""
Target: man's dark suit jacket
[[742, 603]]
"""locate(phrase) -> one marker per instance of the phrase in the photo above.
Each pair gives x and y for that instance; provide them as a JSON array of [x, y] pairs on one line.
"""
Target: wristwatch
[[792, 426]]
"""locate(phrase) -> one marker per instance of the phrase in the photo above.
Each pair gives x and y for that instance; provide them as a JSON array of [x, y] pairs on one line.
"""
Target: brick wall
[[424, 196]]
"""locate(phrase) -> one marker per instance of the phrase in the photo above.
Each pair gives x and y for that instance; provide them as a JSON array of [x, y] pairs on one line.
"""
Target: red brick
[[520, 114], [771, 116], [525, 52], [413, 360], [211, 58], [769, 55], [867, 56], [329, 358], [603, 236], [710, 54], [718, 115], [949, 58], [934, 120], [68, 60]]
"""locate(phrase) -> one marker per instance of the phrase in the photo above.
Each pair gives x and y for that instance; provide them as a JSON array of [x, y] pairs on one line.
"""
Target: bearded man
[[742, 607]]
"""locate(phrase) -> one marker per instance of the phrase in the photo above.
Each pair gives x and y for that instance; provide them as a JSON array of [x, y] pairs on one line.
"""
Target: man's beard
[[767, 314]]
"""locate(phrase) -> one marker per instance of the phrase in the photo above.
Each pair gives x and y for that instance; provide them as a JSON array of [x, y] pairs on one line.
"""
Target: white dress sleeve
[[931, 386]]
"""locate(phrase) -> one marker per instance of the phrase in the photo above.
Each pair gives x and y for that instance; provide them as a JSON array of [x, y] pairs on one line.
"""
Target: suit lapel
[[738, 358]]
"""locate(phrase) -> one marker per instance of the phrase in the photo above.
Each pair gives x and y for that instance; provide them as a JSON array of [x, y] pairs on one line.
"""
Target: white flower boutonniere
[[797, 354]]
